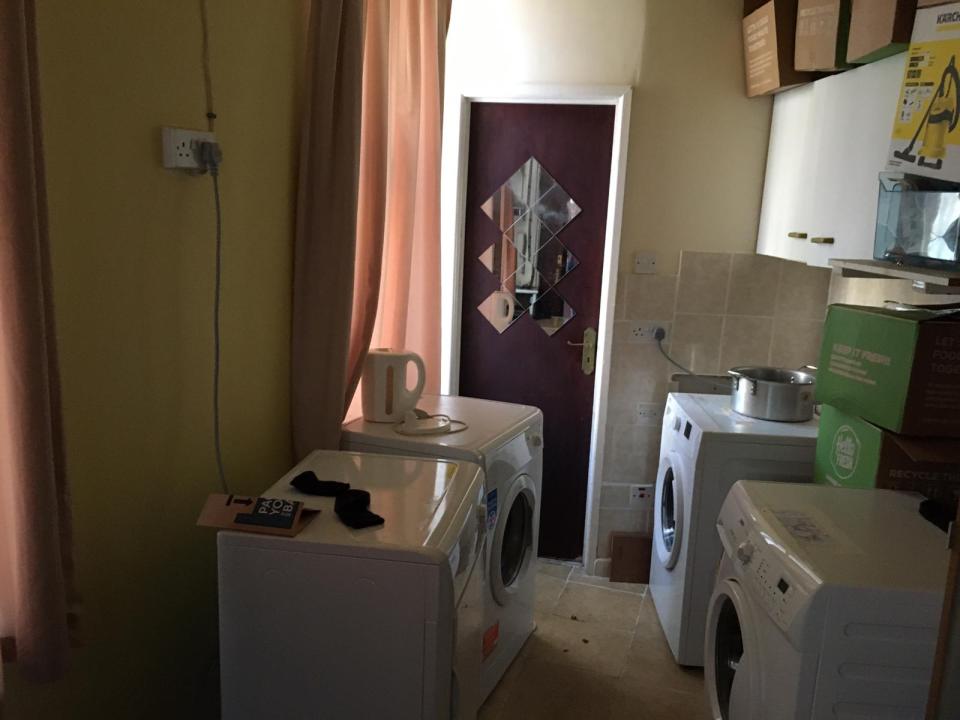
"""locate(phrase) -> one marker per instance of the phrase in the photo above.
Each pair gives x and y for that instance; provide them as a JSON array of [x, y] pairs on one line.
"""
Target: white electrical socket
[[640, 494], [179, 147], [644, 263], [643, 332]]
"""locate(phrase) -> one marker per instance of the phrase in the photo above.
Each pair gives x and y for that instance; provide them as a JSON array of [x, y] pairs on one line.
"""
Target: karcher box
[[926, 128], [898, 369], [852, 452]]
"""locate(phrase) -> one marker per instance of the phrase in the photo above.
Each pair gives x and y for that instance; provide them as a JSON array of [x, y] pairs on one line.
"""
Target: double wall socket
[[640, 494], [181, 147], [643, 332]]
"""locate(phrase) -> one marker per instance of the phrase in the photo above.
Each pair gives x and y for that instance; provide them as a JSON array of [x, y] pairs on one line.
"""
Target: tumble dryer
[[705, 447], [506, 440], [826, 604]]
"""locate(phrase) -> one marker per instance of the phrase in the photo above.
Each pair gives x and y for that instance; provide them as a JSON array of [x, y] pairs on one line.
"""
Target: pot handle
[[737, 377]]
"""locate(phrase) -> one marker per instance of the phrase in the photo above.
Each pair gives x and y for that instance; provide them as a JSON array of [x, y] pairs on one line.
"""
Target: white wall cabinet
[[828, 142]]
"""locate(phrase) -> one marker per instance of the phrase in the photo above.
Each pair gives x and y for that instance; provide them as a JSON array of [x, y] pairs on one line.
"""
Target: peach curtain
[[36, 573], [397, 282], [325, 242]]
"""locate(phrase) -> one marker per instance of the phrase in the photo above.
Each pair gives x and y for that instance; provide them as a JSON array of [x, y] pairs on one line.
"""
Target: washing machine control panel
[[763, 571], [775, 588]]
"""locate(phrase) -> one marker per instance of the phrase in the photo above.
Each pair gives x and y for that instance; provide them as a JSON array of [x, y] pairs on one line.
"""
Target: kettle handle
[[410, 397]]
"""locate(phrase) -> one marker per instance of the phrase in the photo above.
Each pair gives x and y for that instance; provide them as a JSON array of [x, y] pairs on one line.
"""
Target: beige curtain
[[36, 571], [399, 201], [326, 223], [395, 298]]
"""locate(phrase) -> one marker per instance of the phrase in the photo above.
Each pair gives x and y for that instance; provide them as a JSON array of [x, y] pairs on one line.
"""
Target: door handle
[[588, 355]]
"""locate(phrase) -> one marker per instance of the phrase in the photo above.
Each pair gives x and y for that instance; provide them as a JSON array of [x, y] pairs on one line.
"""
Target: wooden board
[[630, 557]]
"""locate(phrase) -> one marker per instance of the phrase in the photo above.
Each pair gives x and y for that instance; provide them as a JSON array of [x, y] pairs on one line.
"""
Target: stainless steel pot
[[771, 393]]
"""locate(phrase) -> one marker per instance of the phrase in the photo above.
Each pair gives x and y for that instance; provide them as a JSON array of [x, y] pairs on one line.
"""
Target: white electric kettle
[[385, 395]]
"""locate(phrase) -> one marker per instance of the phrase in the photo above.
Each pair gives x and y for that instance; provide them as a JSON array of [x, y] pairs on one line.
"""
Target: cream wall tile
[[803, 291], [704, 278], [645, 440], [614, 497], [634, 468], [695, 342], [746, 341], [650, 296], [754, 281], [631, 359], [796, 343], [632, 455], [634, 387]]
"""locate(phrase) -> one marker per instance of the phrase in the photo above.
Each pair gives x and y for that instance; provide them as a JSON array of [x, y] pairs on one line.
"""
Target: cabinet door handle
[[797, 235], [822, 240]]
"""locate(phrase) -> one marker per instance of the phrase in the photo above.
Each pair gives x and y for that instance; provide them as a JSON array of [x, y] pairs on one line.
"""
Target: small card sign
[[273, 516]]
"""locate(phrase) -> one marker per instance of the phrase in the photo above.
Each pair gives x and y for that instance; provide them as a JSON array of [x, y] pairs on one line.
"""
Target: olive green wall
[[133, 283]]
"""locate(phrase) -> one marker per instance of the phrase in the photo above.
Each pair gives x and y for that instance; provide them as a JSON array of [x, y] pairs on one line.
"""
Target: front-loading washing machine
[[826, 604], [380, 622], [705, 447], [506, 440]]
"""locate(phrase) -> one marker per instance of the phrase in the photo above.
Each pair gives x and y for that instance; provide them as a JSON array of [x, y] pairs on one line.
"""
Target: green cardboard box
[[899, 369], [852, 452]]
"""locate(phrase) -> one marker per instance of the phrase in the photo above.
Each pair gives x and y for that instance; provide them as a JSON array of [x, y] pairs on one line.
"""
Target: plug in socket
[[644, 332], [180, 147]]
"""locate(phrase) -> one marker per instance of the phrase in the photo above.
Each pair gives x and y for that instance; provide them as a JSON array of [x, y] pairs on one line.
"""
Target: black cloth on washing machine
[[308, 482], [352, 507]]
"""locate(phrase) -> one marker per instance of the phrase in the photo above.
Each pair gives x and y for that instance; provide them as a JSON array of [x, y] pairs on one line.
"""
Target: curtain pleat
[[36, 567], [325, 242]]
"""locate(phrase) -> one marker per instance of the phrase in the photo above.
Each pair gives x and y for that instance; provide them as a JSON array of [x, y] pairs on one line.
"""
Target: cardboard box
[[879, 28], [852, 452], [899, 370], [769, 39], [822, 30], [926, 134], [931, 3]]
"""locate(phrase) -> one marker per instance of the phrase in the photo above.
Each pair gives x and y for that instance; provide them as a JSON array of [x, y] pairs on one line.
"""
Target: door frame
[[453, 185]]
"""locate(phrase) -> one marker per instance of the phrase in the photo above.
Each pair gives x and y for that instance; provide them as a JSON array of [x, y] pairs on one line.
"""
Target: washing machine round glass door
[[668, 525], [731, 654], [512, 548]]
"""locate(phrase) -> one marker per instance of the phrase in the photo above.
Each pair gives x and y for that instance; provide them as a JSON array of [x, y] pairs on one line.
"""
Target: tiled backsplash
[[722, 310]]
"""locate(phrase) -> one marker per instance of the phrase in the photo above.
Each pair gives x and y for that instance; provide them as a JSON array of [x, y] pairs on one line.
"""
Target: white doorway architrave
[[453, 185]]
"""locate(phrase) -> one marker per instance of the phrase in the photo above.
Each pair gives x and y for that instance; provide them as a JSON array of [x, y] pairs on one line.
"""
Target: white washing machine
[[506, 440], [705, 448], [384, 622], [827, 605]]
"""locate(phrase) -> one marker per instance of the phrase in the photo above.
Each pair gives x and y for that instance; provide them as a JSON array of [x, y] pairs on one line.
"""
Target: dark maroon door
[[536, 210]]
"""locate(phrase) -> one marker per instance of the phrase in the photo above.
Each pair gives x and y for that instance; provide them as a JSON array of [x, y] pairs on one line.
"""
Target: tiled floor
[[598, 653]]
